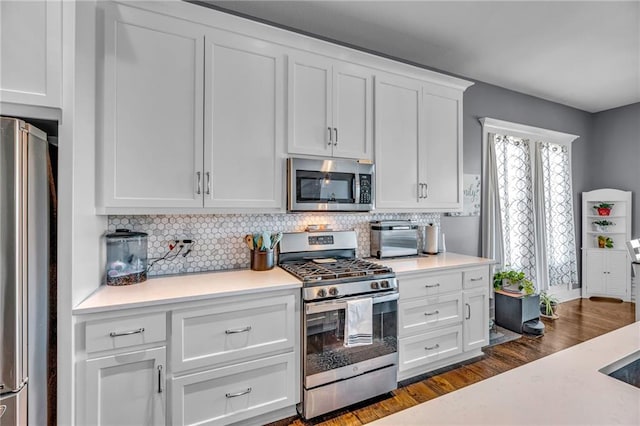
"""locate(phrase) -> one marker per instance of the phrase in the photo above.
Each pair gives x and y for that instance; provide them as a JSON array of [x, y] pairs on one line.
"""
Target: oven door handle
[[332, 305]]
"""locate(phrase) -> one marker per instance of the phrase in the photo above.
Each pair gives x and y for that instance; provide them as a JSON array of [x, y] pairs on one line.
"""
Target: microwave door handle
[[356, 189]]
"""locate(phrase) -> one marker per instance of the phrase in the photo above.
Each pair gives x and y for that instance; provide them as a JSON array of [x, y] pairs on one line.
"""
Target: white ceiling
[[585, 54]]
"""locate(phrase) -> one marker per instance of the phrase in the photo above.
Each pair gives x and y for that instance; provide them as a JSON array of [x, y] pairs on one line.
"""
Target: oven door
[[326, 359]]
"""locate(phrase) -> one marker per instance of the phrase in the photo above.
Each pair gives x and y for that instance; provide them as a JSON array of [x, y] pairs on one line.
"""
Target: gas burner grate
[[310, 271]]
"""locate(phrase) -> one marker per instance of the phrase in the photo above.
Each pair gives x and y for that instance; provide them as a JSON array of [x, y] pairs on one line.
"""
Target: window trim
[[492, 125]]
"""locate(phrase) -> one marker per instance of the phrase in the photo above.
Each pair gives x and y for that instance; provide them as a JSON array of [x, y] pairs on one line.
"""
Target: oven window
[[325, 338], [324, 187]]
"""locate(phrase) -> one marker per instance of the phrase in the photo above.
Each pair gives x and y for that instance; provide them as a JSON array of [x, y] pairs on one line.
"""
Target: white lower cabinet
[[126, 389], [234, 393], [423, 349], [443, 318], [476, 309], [217, 361]]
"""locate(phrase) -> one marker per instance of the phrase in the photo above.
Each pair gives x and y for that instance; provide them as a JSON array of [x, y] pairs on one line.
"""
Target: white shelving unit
[[606, 271]]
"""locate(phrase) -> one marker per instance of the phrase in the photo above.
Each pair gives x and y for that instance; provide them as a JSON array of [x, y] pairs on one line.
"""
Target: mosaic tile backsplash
[[219, 241]]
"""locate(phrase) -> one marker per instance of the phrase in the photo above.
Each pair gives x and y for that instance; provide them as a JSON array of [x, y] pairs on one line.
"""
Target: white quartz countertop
[[182, 288], [433, 262], [565, 388]]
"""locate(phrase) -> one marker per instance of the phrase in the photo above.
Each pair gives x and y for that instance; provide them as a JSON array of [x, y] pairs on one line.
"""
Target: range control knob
[[384, 284], [375, 285], [321, 293], [333, 291]]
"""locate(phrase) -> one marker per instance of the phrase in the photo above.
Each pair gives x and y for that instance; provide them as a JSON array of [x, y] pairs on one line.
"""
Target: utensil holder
[[261, 260]]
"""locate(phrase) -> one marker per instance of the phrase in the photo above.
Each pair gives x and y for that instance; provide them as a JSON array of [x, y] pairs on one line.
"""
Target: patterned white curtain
[[515, 192], [534, 218], [559, 236]]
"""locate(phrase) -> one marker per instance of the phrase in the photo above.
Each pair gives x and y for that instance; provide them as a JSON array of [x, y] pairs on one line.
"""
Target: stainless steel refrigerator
[[24, 281]]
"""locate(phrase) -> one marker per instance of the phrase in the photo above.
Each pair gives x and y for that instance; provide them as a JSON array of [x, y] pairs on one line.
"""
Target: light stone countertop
[[440, 261], [183, 288], [209, 285], [565, 388]]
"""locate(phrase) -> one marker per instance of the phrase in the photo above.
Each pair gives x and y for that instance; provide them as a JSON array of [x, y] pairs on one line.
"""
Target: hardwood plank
[[580, 320]]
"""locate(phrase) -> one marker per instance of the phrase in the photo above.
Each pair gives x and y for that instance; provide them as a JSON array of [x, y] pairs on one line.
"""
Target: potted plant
[[548, 305], [514, 281], [603, 209], [602, 225], [604, 242]]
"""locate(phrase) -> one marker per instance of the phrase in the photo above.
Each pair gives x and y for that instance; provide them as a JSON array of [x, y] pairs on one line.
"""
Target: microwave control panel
[[365, 189]]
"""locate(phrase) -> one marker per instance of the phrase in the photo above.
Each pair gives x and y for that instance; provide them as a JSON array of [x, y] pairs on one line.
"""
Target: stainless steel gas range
[[334, 373]]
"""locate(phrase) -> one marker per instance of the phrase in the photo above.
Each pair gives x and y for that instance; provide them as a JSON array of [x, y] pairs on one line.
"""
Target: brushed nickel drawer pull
[[330, 140], [208, 176], [238, 330], [160, 379], [430, 348], [468, 311], [432, 285], [198, 184], [126, 333], [476, 279], [233, 395], [432, 313]]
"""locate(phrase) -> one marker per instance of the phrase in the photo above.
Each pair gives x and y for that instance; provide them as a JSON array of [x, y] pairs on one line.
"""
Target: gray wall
[[613, 159], [485, 100]]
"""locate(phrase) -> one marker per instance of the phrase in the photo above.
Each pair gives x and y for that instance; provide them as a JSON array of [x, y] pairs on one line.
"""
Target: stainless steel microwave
[[329, 185]]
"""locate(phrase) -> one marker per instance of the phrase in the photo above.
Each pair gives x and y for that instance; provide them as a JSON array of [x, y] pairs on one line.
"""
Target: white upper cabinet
[[441, 165], [31, 52], [418, 145], [152, 94], [329, 107], [398, 136], [244, 122]]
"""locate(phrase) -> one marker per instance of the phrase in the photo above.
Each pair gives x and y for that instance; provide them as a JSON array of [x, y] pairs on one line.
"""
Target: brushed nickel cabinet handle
[[468, 311], [198, 191], [208, 176], [432, 313], [160, 379], [238, 330], [233, 395], [335, 143], [476, 279], [426, 190], [430, 348], [126, 333], [330, 140], [432, 285]]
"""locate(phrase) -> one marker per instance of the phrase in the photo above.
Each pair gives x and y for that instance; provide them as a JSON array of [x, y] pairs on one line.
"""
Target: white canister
[[430, 239]]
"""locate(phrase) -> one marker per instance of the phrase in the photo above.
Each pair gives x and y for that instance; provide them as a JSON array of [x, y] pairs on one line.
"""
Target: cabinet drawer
[[429, 284], [234, 393], [115, 333], [478, 277], [232, 331], [429, 347], [420, 315]]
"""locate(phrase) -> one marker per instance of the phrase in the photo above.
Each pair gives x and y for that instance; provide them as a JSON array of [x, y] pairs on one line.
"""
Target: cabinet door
[[617, 267], [595, 277], [441, 164], [152, 110], [126, 389], [31, 52], [398, 131], [352, 106], [244, 123], [309, 105], [476, 319]]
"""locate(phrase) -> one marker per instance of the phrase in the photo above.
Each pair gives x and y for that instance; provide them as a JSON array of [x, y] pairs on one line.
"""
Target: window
[[528, 220]]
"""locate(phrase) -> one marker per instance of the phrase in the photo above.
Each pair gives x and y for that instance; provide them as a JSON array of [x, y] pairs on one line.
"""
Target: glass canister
[[126, 257]]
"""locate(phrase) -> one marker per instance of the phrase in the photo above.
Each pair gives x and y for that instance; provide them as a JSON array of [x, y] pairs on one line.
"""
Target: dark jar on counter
[[126, 257]]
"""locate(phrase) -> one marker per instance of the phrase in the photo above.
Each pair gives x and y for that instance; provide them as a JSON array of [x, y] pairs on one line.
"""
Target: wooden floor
[[580, 320]]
